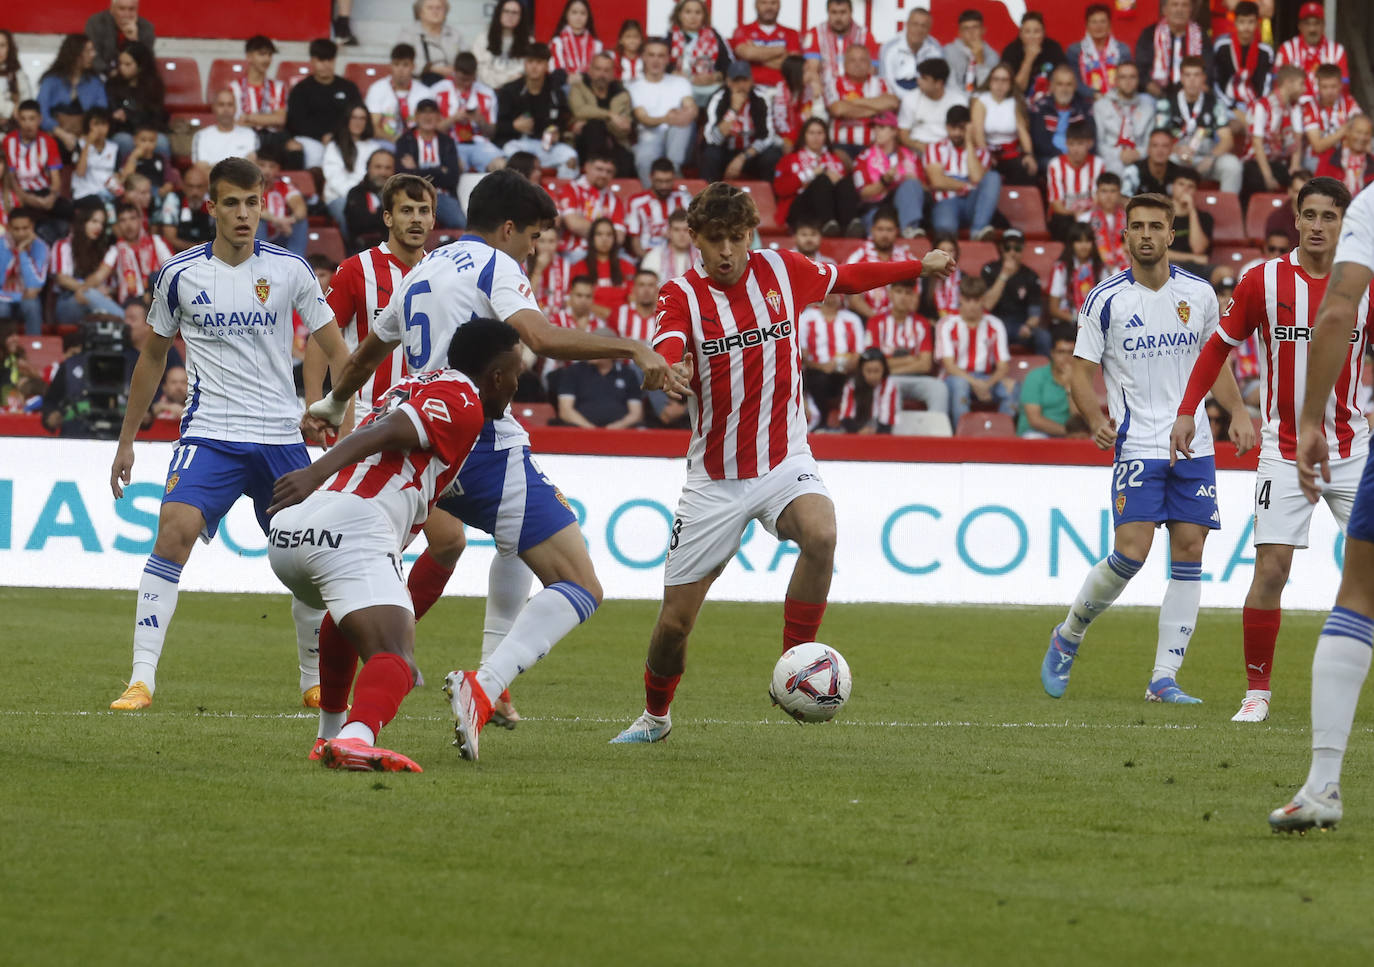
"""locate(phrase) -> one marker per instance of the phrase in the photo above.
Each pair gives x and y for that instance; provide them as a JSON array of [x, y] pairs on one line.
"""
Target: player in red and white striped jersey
[[875, 409], [635, 319], [32, 154], [748, 458], [854, 99], [647, 213], [1279, 299], [1311, 48], [340, 526]]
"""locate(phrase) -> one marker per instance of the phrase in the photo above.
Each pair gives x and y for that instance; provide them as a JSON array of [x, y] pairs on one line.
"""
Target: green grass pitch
[[953, 815]]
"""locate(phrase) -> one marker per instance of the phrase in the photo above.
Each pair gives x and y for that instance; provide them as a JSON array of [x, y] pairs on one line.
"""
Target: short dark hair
[[19, 211], [1033, 16], [1327, 187], [537, 51], [29, 105], [598, 154], [142, 126], [1093, 8], [972, 286], [508, 196], [465, 62], [1193, 60], [412, 186], [722, 209], [583, 279], [402, 52], [936, 68], [662, 164], [887, 213], [654, 40], [969, 16], [1079, 131], [1328, 72], [275, 153], [259, 42], [523, 163], [680, 215], [128, 206], [428, 104], [1108, 178], [649, 272], [1246, 8], [842, 3], [956, 115], [1063, 332], [239, 172], [96, 113], [1151, 199], [322, 48], [319, 261], [1192, 174], [476, 344], [902, 284]]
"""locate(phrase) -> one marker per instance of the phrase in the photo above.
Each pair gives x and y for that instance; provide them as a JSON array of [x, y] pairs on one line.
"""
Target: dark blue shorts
[[1152, 491], [211, 475], [505, 494], [1361, 524]]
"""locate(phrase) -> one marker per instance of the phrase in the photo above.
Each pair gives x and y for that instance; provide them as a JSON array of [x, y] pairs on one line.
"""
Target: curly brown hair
[[722, 210]]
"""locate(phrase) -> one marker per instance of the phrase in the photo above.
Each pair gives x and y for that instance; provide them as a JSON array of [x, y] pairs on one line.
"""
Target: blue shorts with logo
[[504, 493], [1361, 524], [1152, 491], [211, 475]]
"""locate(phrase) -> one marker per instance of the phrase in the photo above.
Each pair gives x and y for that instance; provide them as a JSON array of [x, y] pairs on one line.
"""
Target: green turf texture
[[953, 814]]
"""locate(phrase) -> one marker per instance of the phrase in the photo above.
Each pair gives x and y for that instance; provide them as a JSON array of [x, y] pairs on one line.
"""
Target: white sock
[[543, 622], [331, 723], [1177, 618], [1339, 668], [508, 588], [308, 622], [1101, 587], [157, 602], [356, 730]]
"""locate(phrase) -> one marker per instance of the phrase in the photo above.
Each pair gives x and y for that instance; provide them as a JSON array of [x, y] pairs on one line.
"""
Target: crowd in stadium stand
[[1019, 161]]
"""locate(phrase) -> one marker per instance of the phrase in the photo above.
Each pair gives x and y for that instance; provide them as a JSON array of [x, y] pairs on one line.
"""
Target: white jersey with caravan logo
[[454, 284], [238, 327], [1147, 342]]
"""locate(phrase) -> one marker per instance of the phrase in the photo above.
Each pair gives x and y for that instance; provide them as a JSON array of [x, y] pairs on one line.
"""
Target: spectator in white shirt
[[391, 100], [900, 56], [224, 139], [94, 171], [665, 110], [345, 161], [435, 43], [921, 119]]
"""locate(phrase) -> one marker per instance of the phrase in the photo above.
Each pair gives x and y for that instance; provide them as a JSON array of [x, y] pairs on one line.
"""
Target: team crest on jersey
[[774, 300], [261, 290], [172, 481], [1120, 504], [1184, 311]]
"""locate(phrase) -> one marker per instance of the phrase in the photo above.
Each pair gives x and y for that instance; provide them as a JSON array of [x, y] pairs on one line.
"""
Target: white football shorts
[[712, 515], [1283, 514], [338, 551]]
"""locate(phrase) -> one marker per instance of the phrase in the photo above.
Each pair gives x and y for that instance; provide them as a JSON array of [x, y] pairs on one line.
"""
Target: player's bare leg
[[429, 575], [570, 596], [1103, 585], [384, 638], [178, 526], [1339, 668], [809, 521], [1178, 612], [1260, 623]]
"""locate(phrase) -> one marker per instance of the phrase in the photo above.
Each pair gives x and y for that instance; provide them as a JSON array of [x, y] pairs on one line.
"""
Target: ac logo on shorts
[[172, 481], [1205, 491], [1120, 504]]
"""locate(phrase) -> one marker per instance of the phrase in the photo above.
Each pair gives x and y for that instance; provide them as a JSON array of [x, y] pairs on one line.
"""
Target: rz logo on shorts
[[747, 339]]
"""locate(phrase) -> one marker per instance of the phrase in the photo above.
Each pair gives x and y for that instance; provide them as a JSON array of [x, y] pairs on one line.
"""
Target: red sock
[[338, 665], [1261, 631], [385, 680], [426, 583], [800, 621], [658, 691]]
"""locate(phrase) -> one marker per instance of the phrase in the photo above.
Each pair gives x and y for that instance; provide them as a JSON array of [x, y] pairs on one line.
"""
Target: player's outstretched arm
[[142, 388], [545, 339], [355, 371], [1101, 428], [856, 277], [1326, 354], [396, 432]]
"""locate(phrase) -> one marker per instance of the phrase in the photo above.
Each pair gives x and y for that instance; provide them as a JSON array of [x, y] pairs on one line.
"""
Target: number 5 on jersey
[[417, 328]]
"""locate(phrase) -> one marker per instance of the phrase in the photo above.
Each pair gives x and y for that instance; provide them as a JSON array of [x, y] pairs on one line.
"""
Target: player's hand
[[291, 488], [121, 468], [658, 374], [328, 410], [684, 370], [315, 430], [1314, 459], [1105, 435], [937, 263], [1181, 438], [1243, 433]]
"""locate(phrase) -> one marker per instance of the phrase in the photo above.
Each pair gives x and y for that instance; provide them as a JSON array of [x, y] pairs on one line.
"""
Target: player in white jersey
[[1341, 661], [363, 503], [748, 459], [500, 490], [1144, 327], [232, 300], [1279, 298]]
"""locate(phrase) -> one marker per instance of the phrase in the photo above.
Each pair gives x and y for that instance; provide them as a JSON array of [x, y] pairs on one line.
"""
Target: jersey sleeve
[[672, 323], [447, 414], [308, 300], [509, 291], [1242, 316], [162, 315], [1357, 232], [342, 292], [1093, 321], [811, 281]]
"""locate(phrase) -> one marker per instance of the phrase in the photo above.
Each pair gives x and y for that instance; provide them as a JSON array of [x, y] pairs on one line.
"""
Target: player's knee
[[447, 546], [1271, 574]]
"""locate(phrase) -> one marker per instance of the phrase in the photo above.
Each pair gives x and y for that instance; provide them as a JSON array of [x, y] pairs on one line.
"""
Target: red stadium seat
[[1229, 225], [42, 351], [304, 182], [327, 242], [838, 249], [762, 193], [1258, 211], [1024, 209], [181, 77], [627, 188], [1040, 258], [1234, 258], [1022, 365], [986, 424], [365, 75], [292, 70], [974, 255], [534, 414], [222, 73]]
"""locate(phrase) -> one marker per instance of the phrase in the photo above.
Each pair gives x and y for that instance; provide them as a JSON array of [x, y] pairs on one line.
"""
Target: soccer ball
[[811, 682]]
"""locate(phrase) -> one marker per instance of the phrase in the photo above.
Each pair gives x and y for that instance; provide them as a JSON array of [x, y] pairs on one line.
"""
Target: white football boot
[[1254, 707]]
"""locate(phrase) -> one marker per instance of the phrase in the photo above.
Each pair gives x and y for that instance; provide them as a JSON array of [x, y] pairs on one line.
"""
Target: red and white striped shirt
[[868, 252], [446, 411], [276, 197], [910, 336], [1073, 187], [265, 98], [1279, 300], [975, 350], [584, 198], [135, 263], [1297, 51], [479, 100], [565, 319], [1327, 118], [887, 403], [628, 68], [1107, 229], [551, 285], [646, 215], [954, 161], [747, 410], [361, 289], [824, 339], [31, 161], [630, 323], [853, 130], [573, 52], [1274, 127]]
